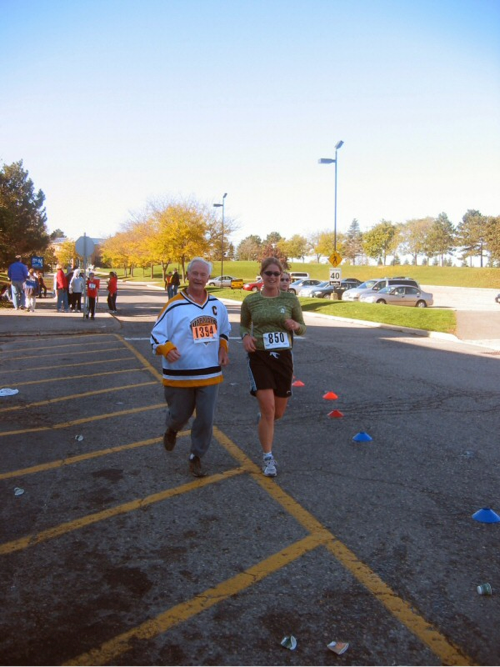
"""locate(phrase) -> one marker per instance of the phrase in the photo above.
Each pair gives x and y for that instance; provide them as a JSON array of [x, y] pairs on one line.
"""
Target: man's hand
[[173, 355], [223, 356]]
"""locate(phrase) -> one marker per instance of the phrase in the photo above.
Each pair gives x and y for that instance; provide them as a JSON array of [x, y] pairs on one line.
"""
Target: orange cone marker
[[335, 414], [298, 383], [330, 396]]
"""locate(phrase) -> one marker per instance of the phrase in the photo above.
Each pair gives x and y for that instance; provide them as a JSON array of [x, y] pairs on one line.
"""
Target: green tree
[[412, 237], [493, 239], [273, 237], [248, 249], [440, 239], [22, 215], [296, 247], [471, 235], [378, 242], [353, 244]]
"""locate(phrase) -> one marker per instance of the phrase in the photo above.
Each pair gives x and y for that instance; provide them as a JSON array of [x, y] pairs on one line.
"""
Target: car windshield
[[368, 284], [386, 290]]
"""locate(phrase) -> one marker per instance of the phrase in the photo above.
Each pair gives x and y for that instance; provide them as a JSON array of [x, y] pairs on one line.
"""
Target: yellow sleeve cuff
[[165, 349]]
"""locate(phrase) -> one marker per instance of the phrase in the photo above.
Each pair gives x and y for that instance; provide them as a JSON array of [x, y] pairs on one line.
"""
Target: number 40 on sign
[[335, 275]]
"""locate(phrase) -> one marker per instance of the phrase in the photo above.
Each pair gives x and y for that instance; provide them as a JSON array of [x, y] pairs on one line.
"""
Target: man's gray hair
[[203, 261]]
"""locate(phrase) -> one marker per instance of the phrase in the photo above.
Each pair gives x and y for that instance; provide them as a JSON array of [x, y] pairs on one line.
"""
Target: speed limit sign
[[335, 275]]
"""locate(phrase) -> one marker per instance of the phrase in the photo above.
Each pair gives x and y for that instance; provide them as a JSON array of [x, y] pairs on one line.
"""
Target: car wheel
[[292, 291], [255, 289], [421, 304], [381, 301]]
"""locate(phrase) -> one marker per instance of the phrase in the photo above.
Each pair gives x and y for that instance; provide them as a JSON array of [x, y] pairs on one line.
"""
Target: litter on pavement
[[485, 589], [289, 642], [338, 647], [8, 392]]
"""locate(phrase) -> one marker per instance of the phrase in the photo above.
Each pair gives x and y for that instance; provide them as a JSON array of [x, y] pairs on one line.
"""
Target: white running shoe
[[269, 467]]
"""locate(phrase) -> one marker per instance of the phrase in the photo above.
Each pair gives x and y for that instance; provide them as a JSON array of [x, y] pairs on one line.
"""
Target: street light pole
[[327, 160], [222, 238]]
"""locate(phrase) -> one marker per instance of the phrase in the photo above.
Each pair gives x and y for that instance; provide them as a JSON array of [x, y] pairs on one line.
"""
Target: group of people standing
[[70, 288], [191, 335], [73, 286], [25, 285]]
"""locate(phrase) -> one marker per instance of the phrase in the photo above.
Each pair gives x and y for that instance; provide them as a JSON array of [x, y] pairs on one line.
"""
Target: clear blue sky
[[111, 103]]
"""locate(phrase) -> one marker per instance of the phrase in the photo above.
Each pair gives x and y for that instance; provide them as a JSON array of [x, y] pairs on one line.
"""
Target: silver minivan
[[376, 284], [298, 275]]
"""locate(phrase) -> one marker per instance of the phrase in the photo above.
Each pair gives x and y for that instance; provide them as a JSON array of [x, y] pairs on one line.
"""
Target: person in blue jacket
[[17, 272]]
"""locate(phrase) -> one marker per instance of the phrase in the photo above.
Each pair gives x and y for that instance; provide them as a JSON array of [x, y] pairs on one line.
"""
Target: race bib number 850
[[276, 339]]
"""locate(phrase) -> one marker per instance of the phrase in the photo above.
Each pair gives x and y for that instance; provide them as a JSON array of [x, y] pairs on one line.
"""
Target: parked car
[[304, 282], [254, 286], [306, 291], [323, 292], [399, 295], [221, 281], [376, 284]]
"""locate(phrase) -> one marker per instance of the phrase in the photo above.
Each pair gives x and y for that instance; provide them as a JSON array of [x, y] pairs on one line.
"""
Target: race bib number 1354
[[275, 340], [205, 333]]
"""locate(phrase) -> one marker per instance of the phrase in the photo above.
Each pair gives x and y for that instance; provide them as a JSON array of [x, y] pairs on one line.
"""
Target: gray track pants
[[182, 402]]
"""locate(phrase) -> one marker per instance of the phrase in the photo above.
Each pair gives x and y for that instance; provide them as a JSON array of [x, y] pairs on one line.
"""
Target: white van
[[298, 275]]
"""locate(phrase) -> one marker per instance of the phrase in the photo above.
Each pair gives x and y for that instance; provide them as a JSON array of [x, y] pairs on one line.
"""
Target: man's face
[[198, 276]]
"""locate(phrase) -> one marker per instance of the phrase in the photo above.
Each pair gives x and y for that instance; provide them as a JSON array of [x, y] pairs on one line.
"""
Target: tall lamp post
[[327, 160], [222, 239]]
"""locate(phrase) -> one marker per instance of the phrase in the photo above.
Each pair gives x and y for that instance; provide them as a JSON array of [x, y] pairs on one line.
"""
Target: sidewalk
[[46, 320]]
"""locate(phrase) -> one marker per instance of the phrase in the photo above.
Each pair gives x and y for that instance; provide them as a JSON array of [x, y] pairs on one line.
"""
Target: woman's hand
[[292, 325], [249, 343]]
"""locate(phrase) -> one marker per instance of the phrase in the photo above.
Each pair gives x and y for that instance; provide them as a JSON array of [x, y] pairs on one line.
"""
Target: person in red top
[[112, 290], [92, 293], [61, 284]]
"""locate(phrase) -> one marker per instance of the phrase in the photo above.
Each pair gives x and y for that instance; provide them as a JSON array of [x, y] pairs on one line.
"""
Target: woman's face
[[271, 276], [285, 282]]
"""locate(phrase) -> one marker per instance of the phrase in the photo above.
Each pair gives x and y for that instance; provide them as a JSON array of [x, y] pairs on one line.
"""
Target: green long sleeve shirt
[[261, 315]]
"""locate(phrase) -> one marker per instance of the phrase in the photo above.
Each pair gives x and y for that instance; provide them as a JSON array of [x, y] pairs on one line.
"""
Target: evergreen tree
[[22, 215], [353, 243]]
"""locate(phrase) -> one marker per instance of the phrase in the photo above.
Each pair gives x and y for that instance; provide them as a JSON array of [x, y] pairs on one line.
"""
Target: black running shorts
[[271, 370]]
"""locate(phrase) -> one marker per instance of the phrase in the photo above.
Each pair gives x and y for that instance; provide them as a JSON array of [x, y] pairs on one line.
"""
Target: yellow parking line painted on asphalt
[[436, 642], [85, 420], [60, 463], [56, 346], [142, 359], [83, 363], [71, 397], [56, 354], [448, 653], [81, 377], [125, 508], [293, 508], [110, 650]]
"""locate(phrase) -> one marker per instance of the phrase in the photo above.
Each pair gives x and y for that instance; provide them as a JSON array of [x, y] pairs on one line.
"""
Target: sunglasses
[[276, 274]]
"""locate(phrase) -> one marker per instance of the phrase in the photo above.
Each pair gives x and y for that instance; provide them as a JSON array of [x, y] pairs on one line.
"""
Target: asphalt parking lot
[[112, 554]]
